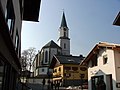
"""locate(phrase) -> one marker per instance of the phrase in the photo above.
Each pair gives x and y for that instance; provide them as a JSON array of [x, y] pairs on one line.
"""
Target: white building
[[103, 63]]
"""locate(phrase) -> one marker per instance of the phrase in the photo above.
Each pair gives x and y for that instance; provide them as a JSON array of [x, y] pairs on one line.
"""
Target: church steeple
[[63, 23], [64, 40]]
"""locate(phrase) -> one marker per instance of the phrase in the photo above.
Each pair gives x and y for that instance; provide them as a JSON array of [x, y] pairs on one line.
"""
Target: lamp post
[[82, 76]]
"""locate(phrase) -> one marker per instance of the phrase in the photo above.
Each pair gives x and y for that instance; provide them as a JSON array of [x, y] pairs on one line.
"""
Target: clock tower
[[64, 40]]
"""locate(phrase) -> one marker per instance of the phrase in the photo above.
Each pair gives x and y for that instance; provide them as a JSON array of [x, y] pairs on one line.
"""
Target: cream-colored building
[[66, 70], [103, 63]]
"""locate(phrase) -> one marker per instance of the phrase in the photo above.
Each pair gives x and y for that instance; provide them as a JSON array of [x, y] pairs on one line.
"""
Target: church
[[51, 53], [43, 58]]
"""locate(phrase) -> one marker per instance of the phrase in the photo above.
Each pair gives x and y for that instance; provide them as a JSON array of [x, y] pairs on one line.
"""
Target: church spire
[[63, 23], [64, 40]]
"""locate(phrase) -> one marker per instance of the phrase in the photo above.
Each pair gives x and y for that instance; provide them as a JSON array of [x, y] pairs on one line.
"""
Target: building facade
[[103, 66], [66, 70], [11, 16]]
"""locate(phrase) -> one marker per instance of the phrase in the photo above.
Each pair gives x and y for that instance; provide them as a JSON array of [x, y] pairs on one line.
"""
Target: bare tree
[[27, 57]]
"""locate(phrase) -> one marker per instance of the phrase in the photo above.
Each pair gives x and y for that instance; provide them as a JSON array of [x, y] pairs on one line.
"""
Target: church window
[[46, 56], [42, 56], [64, 46], [64, 33]]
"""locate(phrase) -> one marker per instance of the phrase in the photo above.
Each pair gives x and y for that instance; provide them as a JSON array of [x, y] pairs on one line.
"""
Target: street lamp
[[82, 76]]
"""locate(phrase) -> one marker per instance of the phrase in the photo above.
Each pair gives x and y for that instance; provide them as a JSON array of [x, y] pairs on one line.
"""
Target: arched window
[[46, 56], [64, 45], [64, 33]]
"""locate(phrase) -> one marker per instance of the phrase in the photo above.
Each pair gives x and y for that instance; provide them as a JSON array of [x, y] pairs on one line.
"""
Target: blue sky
[[89, 22]]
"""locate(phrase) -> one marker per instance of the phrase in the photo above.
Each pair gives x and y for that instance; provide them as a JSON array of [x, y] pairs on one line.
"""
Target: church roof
[[51, 44], [63, 23]]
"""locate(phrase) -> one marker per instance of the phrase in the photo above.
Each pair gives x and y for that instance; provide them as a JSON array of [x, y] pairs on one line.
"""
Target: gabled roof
[[51, 44], [63, 23], [96, 49], [117, 20], [65, 59]]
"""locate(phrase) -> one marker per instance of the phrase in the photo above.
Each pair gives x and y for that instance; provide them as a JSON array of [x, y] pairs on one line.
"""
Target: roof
[[97, 47], [31, 10], [51, 44], [63, 23], [66, 59], [117, 20]]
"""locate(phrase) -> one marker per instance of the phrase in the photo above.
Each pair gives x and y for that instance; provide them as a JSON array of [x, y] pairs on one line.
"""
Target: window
[[67, 68], [74, 68], [10, 16], [17, 42], [42, 56], [59, 69], [64, 45], [105, 59], [42, 70], [64, 32], [55, 70], [46, 56]]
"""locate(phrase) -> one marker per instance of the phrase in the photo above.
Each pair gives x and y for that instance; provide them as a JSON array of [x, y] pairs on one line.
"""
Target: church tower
[[64, 40]]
